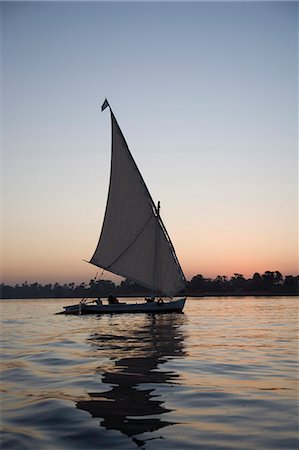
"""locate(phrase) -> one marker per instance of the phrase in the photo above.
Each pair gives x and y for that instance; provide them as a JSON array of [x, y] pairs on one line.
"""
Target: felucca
[[134, 242]]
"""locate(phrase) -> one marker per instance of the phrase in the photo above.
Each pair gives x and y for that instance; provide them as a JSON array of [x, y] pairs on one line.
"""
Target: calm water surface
[[223, 375]]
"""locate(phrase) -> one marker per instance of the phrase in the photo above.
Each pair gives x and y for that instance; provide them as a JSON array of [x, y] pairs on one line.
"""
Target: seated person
[[112, 300]]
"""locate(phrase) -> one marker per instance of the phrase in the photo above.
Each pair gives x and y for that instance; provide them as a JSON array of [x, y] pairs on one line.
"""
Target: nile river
[[223, 375]]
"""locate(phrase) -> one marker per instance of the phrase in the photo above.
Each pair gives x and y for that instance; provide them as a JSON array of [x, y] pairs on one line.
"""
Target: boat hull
[[127, 308]]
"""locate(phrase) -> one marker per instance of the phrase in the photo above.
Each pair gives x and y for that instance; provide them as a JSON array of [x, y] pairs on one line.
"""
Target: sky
[[206, 94]]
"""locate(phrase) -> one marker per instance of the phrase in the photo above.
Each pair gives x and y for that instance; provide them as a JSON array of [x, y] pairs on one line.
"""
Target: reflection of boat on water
[[134, 242], [123, 407], [129, 406]]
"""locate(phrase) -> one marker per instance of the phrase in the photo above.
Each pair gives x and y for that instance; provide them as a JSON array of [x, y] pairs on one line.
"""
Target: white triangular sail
[[133, 242]]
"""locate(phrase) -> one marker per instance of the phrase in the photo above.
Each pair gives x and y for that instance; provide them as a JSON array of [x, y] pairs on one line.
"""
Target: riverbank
[[269, 283]]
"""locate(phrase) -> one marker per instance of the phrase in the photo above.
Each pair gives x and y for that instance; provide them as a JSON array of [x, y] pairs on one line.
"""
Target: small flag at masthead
[[105, 104]]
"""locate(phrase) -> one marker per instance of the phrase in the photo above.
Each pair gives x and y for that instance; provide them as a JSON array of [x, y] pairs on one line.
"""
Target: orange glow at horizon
[[207, 244], [208, 256]]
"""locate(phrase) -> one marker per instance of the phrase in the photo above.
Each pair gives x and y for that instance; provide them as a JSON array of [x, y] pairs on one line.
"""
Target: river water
[[223, 375]]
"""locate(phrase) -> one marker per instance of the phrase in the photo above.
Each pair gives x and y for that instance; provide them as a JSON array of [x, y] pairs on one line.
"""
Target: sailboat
[[134, 242]]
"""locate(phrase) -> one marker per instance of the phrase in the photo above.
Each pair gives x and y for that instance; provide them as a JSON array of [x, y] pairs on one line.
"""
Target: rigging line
[[131, 243], [161, 223], [172, 248], [93, 286]]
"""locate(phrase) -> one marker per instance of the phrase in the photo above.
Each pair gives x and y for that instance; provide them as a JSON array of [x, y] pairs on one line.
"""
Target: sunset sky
[[206, 95]]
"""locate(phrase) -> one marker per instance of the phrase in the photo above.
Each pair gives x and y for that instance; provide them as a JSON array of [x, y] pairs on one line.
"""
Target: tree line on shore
[[269, 283]]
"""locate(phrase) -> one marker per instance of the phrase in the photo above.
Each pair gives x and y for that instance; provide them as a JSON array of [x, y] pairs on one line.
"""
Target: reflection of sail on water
[[128, 407]]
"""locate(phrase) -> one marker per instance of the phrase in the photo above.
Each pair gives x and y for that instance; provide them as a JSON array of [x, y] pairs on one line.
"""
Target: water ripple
[[221, 376]]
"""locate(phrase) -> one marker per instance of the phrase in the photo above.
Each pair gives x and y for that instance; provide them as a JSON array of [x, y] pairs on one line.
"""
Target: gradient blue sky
[[206, 95]]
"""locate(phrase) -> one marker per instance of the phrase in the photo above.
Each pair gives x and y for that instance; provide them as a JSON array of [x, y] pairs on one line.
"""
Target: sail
[[133, 241]]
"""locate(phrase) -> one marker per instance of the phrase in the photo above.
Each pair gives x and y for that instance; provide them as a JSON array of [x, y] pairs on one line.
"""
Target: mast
[[156, 267]]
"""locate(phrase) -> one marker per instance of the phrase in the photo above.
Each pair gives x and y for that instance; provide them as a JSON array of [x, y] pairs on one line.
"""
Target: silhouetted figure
[[112, 300], [99, 301]]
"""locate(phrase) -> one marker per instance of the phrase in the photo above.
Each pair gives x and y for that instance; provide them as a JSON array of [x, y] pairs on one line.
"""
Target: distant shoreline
[[268, 284]]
